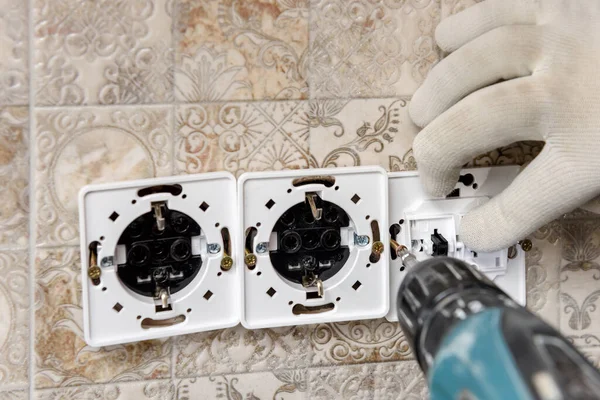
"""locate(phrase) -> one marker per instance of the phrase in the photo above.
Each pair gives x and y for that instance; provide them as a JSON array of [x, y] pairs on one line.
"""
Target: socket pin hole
[[325, 180], [174, 190]]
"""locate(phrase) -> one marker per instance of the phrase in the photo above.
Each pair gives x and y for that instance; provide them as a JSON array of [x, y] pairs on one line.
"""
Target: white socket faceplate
[[421, 215], [267, 298], [209, 302]]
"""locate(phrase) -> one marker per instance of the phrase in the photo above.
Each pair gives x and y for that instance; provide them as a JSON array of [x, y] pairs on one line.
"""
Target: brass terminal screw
[[396, 247], [250, 260], [526, 245], [226, 263], [377, 248], [94, 272]]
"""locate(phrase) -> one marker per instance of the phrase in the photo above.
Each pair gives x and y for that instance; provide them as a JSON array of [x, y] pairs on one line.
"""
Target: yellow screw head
[[226, 263], [526, 245], [377, 247], [250, 260], [94, 272]]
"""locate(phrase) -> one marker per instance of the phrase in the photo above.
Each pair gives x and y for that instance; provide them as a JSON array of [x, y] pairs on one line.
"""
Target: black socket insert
[[440, 244], [159, 259], [306, 245]]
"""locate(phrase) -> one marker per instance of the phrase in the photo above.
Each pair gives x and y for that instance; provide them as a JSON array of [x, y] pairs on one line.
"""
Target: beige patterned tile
[[361, 132], [17, 394], [520, 153], [148, 390], [276, 384], [14, 177], [543, 273], [451, 7], [400, 380], [236, 350], [107, 52], [61, 355], [14, 319], [237, 50], [580, 277], [79, 146], [240, 137], [371, 48], [355, 342], [14, 60]]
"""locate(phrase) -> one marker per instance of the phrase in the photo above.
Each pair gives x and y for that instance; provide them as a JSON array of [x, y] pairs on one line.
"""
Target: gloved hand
[[545, 54]]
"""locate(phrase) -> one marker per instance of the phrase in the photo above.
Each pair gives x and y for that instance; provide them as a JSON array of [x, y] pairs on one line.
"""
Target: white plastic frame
[[408, 200], [105, 326], [370, 300]]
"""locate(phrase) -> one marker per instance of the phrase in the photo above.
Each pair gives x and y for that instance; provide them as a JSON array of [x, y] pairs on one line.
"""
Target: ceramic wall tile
[[79, 146], [103, 52], [356, 342], [14, 177], [14, 57], [345, 133], [240, 137], [62, 358], [236, 350], [371, 48], [14, 319], [276, 384], [519, 153], [148, 390], [579, 289], [543, 263], [451, 7], [17, 394], [237, 50], [401, 380]]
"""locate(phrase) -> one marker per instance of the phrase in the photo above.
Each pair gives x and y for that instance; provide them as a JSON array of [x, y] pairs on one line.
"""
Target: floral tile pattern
[[14, 49], [236, 350], [150, 390], [61, 355], [108, 52], [402, 380], [371, 48], [14, 177], [14, 395], [14, 328], [356, 342], [451, 7], [237, 50], [346, 133], [277, 384], [76, 147], [240, 137]]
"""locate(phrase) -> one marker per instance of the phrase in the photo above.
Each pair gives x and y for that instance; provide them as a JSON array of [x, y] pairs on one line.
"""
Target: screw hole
[[219, 273], [101, 238], [337, 188], [401, 269], [184, 196], [290, 302], [258, 273], [401, 221], [289, 190], [338, 299], [133, 201], [104, 289], [258, 224], [367, 217], [139, 317], [368, 265], [189, 310], [475, 186], [217, 225]]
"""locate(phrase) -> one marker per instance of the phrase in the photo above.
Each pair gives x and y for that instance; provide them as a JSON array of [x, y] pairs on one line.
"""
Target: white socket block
[[113, 313], [358, 291], [418, 216]]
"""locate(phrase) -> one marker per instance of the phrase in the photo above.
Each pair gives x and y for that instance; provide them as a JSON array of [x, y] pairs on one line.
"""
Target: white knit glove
[[546, 53]]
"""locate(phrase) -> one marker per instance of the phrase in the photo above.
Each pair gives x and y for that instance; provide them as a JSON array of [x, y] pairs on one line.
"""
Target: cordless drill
[[473, 341]]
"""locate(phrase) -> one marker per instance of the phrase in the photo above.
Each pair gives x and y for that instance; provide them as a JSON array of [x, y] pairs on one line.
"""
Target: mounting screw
[[512, 252], [94, 272], [262, 247], [250, 259], [377, 248], [361, 240], [107, 261], [214, 248], [526, 245], [226, 263]]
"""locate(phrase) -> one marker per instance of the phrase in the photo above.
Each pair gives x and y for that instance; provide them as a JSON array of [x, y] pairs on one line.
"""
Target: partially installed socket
[[315, 246], [429, 228], [158, 257]]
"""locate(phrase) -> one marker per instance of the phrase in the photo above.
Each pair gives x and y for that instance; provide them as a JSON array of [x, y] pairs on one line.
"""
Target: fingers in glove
[[492, 117], [545, 190], [504, 53], [459, 29]]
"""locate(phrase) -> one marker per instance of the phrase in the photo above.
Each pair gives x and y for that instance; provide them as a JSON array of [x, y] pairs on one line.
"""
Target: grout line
[[104, 384], [32, 204]]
